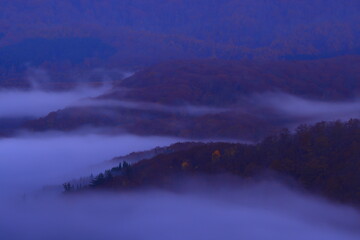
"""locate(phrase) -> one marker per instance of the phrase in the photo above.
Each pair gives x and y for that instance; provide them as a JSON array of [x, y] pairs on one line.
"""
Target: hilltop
[[212, 98], [322, 159]]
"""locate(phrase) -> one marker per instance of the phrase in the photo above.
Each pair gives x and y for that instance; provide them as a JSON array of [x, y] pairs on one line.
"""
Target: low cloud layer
[[201, 210], [31, 161], [40, 77], [37, 103], [264, 211], [292, 106], [147, 106]]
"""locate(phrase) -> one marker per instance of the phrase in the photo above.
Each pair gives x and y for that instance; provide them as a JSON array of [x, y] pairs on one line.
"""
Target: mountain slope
[[323, 159], [217, 98], [221, 83], [148, 32]]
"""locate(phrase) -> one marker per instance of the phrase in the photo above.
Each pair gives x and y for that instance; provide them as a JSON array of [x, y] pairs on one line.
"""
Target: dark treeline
[[323, 159], [123, 169]]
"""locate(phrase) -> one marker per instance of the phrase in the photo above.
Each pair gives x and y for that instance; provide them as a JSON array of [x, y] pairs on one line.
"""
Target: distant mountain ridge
[[222, 82], [144, 33], [155, 101]]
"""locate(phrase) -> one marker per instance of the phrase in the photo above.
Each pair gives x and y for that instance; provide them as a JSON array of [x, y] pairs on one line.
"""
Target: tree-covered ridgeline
[[323, 159]]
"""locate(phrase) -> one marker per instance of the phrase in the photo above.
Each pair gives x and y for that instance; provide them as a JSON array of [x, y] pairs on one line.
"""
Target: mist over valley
[[159, 119]]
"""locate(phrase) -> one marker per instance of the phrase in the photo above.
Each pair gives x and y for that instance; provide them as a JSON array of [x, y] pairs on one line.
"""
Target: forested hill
[[223, 82], [216, 98], [322, 159]]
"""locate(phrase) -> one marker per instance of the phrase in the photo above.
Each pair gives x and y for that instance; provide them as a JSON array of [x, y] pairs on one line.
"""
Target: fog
[[30, 161], [40, 78], [201, 209], [208, 211], [313, 110], [147, 106], [282, 104], [37, 102]]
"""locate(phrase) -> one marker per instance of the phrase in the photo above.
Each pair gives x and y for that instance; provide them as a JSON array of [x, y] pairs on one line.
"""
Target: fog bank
[[28, 162], [301, 108], [37, 103], [264, 211], [148, 106]]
